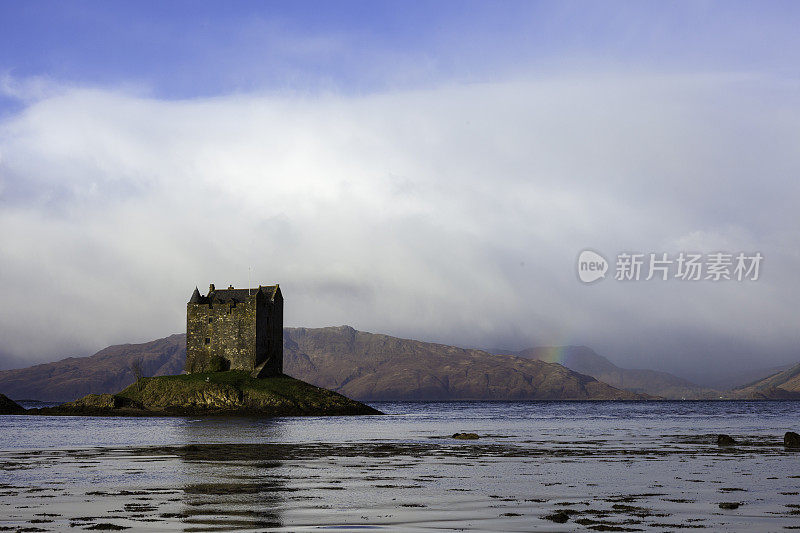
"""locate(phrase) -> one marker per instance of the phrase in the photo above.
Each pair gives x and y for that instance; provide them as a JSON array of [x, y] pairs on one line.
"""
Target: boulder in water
[[729, 505], [791, 440]]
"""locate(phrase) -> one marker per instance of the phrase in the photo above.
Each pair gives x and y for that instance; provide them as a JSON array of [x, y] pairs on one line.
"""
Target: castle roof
[[235, 295], [196, 298]]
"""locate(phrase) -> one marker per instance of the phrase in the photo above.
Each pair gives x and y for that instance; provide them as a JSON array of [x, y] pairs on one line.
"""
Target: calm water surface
[[625, 466]]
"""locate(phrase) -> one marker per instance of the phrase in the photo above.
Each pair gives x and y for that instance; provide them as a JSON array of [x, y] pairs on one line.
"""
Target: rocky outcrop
[[791, 440], [9, 406], [103, 401], [220, 393]]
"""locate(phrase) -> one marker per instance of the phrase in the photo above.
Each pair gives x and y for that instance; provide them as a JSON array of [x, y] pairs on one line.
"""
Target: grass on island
[[184, 384]]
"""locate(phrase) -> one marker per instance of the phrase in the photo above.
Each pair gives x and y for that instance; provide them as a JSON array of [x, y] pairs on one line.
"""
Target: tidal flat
[[551, 466]]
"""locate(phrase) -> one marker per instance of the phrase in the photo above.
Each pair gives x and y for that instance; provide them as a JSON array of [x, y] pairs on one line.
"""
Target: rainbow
[[553, 354]]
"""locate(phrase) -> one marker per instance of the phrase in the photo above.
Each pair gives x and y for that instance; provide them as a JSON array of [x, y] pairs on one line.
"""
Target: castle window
[[208, 341], [210, 320]]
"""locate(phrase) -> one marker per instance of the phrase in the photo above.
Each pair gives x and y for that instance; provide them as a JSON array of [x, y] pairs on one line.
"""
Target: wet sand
[[500, 482]]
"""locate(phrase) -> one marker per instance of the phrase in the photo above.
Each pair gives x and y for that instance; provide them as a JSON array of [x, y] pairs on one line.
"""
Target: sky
[[428, 170]]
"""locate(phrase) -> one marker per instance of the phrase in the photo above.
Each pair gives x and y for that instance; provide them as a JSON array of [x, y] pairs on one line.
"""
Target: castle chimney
[[211, 288]]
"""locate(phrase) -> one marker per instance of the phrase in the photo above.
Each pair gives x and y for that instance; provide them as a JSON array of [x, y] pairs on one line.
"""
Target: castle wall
[[269, 335], [220, 335]]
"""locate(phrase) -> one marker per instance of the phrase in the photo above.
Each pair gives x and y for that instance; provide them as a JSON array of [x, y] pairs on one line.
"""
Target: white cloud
[[28, 89], [449, 214]]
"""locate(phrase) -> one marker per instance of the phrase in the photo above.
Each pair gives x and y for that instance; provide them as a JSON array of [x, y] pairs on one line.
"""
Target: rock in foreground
[[215, 393], [9, 406]]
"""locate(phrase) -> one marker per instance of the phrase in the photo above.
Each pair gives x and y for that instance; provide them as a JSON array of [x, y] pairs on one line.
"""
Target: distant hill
[[109, 370], [586, 361], [783, 385], [364, 366]]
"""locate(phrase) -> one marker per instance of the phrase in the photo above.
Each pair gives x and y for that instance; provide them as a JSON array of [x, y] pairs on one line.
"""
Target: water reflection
[[229, 485]]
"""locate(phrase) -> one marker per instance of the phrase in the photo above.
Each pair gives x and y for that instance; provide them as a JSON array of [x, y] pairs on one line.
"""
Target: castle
[[235, 329]]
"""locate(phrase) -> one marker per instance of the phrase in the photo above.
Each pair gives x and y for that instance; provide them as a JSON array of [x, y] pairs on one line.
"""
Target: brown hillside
[[371, 366], [780, 386]]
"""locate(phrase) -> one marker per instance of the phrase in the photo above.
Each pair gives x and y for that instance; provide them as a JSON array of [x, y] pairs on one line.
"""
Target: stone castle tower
[[235, 329]]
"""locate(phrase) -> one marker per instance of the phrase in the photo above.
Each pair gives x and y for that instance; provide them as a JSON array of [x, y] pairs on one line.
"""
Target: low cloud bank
[[453, 214]]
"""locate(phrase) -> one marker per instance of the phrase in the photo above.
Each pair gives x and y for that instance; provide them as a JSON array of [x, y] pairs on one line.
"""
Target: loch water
[[550, 466]]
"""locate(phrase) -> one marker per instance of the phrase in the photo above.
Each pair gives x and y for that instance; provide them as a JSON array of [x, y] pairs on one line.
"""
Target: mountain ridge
[[360, 365], [389, 368]]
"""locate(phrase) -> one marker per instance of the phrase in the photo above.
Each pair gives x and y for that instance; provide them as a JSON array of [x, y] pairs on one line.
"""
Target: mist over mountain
[[586, 361], [733, 378]]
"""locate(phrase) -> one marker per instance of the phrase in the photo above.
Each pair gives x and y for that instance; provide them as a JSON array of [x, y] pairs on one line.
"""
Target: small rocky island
[[234, 366], [214, 393]]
